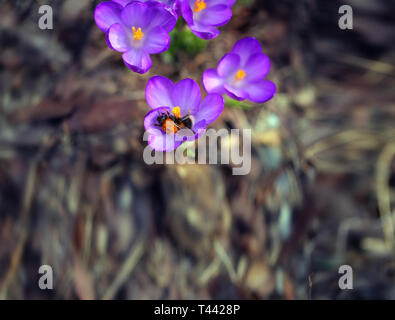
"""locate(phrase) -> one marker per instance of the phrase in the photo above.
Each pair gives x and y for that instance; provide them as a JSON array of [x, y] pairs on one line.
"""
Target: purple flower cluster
[[241, 73], [178, 113], [140, 28]]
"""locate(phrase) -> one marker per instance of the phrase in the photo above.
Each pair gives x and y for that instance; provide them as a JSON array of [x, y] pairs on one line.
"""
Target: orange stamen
[[137, 34], [240, 75], [199, 5]]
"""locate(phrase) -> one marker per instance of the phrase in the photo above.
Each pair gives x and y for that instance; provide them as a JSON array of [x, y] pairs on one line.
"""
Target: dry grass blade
[[384, 194]]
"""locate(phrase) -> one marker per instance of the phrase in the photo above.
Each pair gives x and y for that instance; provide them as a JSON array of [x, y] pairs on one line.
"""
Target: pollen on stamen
[[199, 5], [240, 75], [177, 112], [137, 34]]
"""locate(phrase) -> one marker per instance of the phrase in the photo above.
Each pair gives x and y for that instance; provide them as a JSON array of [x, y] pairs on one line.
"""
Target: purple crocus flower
[[204, 16], [137, 30], [178, 114], [241, 73]]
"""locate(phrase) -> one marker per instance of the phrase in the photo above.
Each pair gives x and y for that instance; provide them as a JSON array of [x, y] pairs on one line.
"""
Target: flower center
[[199, 5], [137, 34], [171, 125], [240, 75]]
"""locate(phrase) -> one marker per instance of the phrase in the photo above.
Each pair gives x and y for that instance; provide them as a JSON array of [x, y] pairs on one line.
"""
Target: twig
[[128, 266], [17, 254], [383, 193], [226, 260]]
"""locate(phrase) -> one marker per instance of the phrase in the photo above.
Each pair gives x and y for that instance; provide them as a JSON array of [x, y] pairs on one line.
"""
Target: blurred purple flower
[[241, 73], [204, 16], [137, 30], [178, 114]]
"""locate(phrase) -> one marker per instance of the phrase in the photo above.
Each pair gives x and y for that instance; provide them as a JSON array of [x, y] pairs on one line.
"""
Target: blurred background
[[75, 193]]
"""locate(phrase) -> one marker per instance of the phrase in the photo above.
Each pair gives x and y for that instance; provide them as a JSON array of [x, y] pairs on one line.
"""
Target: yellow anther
[[177, 112], [137, 34], [240, 75], [199, 5]]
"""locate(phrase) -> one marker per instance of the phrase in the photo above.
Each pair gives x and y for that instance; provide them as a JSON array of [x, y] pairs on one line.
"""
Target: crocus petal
[[170, 5], [228, 64], [164, 142], [239, 94], [187, 96], [261, 91], [204, 32], [257, 67], [187, 134], [161, 17], [216, 2], [216, 16], [174, 6], [200, 128], [212, 82], [158, 92], [210, 108], [106, 14], [246, 47], [137, 60], [187, 12], [197, 131], [117, 38], [157, 41], [123, 3], [136, 14]]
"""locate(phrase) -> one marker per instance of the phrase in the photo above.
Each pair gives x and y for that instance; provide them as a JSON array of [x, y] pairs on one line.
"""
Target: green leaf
[[236, 104], [183, 39]]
